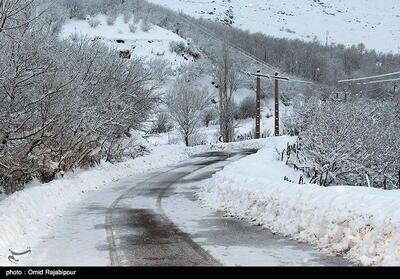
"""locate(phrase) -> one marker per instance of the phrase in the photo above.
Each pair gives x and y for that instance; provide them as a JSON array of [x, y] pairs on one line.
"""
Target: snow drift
[[360, 223], [23, 214]]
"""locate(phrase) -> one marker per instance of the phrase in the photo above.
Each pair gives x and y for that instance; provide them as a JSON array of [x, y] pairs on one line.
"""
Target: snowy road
[[155, 219]]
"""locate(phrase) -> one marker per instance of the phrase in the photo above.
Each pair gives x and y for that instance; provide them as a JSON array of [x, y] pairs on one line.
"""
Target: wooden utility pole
[[276, 79], [276, 105], [258, 107], [327, 39]]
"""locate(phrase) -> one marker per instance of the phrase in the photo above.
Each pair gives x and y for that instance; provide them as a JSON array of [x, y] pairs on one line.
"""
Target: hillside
[[150, 44], [374, 23]]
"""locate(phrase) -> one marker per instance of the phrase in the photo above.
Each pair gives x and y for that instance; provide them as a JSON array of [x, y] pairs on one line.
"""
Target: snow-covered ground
[[372, 22], [155, 43], [210, 134], [30, 217], [231, 241], [27, 215], [360, 223]]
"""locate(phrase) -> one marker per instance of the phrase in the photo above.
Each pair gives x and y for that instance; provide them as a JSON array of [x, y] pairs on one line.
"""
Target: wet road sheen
[[148, 224]]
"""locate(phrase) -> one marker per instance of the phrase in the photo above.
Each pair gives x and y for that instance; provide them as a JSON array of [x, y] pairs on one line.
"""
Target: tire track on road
[[114, 255]]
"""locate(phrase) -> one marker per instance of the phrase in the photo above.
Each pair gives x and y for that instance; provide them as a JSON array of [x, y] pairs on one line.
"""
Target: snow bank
[[23, 214], [248, 144], [360, 223]]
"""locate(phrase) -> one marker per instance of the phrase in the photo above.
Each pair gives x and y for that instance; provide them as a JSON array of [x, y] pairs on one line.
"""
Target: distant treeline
[[310, 60]]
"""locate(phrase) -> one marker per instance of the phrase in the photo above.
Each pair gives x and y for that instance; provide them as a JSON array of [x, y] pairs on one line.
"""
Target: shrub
[[160, 69], [93, 22], [111, 20], [177, 47], [209, 115], [181, 48], [161, 125], [74, 36], [146, 26], [198, 138], [343, 143], [247, 108], [193, 51], [57, 131], [127, 17], [132, 28], [136, 19]]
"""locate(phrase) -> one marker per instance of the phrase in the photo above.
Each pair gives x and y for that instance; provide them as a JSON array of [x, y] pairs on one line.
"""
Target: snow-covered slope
[[155, 43], [375, 23]]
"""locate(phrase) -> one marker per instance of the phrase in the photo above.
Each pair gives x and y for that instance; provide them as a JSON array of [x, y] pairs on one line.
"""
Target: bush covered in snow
[[146, 26], [127, 16], [160, 69], [193, 51], [93, 22], [198, 138], [136, 19], [350, 143], [132, 27], [209, 115], [161, 124], [111, 19], [177, 47], [246, 108], [64, 105], [181, 48]]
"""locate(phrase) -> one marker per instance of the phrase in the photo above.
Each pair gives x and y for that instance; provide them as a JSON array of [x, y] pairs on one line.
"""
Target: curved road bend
[[158, 222]]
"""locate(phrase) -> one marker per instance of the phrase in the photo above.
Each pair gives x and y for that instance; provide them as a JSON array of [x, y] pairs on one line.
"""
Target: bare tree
[[186, 104], [75, 8], [64, 105], [228, 81], [15, 14]]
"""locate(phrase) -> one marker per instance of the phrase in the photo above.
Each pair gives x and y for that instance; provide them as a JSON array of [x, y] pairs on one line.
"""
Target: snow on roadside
[[24, 214], [248, 144], [360, 223]]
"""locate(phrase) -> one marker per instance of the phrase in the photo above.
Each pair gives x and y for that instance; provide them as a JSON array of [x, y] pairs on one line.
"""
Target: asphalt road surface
[[159, 222]]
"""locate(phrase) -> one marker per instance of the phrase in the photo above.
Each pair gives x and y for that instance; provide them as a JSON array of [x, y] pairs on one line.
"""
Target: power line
[[300, 81], [239, 50], [369, 77], [280, 78], [381, 81]]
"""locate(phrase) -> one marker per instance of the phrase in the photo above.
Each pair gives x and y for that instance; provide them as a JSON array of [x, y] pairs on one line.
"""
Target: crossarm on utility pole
[[258, 108], [276, 79]]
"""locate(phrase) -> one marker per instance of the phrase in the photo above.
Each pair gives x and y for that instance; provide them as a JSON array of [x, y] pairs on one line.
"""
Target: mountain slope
[[150, 44], [372, 22]]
